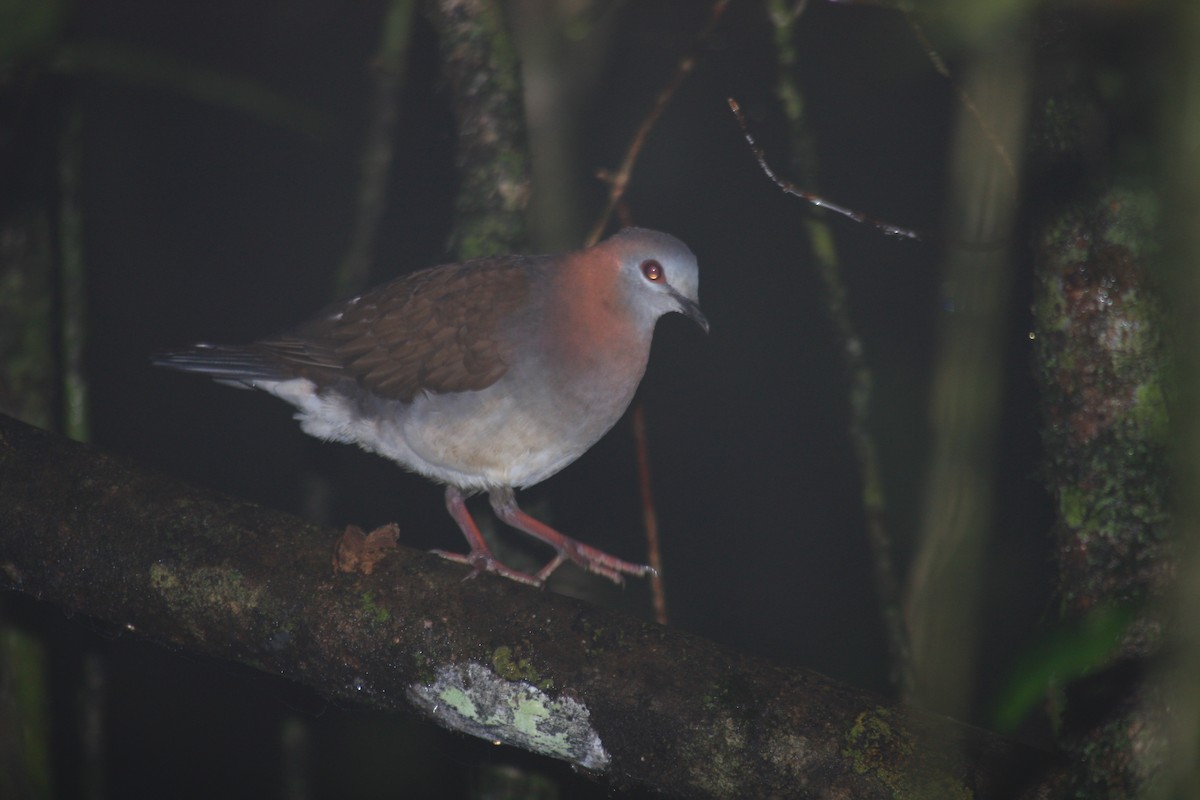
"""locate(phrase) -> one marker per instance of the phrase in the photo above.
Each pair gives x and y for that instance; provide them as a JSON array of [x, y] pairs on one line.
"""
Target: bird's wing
[[438, 330]]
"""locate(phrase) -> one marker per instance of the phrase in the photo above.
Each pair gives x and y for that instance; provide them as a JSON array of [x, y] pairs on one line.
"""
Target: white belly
[[474, 440]]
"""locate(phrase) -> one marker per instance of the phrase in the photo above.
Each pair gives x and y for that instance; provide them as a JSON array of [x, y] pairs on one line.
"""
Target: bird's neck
[[596, 332]]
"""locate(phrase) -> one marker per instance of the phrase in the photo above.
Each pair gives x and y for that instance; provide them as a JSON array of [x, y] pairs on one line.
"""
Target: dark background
[[206, 223]]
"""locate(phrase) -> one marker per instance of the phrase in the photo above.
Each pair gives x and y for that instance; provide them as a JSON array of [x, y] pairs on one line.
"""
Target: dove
[[487, 376]]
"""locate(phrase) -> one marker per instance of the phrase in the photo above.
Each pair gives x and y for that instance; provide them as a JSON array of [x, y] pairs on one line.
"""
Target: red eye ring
[[653, 271]]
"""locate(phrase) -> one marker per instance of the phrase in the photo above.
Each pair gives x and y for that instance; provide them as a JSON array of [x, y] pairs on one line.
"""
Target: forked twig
[[618, 181]]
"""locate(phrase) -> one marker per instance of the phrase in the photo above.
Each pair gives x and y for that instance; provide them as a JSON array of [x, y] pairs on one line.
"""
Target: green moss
[[875, 747], [489, 35], [162, 578], [1103, 365], [604, 638], [716, 776], [1150, 411], [1132, 221], [199, 593], [425, 668], [1072, 506], [866, 740], [729, 697], [517, 669], [372, 610]]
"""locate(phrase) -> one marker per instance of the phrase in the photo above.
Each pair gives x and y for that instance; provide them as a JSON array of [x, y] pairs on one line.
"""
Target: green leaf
[[1072, 652]]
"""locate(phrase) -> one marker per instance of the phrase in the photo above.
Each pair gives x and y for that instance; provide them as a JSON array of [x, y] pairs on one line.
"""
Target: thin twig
[[649, 516], [825, 257], [886, 228], [939, 66], [619, 181]]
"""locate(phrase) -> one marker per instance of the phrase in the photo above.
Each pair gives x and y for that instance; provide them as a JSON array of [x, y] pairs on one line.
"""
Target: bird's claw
[[597, 562], [588, 558], [480, 562]]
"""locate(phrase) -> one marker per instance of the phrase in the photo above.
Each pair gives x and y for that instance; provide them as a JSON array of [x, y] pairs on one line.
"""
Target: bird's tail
[[228, 364]]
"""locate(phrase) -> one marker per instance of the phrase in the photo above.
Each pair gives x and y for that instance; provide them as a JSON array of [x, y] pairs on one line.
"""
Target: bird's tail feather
[[222, 362]]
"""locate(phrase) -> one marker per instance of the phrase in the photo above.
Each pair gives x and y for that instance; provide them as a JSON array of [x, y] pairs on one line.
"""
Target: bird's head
[[657, 274]]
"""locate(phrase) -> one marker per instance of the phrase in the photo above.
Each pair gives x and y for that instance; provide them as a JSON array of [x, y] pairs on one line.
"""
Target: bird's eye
[[653, 271]]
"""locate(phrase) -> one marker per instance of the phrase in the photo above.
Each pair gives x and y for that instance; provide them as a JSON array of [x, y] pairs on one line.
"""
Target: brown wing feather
[[438, 330]]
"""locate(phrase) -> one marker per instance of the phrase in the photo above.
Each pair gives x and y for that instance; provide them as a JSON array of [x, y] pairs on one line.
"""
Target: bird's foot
[[480, 561], [595, 561], [589, 558]]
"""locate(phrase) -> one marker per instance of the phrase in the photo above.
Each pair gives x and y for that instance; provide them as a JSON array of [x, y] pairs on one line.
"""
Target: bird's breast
[[515, 433], [541, 416]]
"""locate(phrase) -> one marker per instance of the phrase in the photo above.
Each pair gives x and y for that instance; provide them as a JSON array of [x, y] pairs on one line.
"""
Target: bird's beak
[[691, 310]]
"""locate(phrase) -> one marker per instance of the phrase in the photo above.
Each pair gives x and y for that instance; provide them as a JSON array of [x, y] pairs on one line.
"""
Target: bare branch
[[886, 228]]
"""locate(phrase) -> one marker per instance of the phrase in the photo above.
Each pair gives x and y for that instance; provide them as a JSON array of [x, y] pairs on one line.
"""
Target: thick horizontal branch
[[639, 703]]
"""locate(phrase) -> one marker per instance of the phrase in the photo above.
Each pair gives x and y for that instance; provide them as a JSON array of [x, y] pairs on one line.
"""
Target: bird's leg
[[480, 559], [591, 559]]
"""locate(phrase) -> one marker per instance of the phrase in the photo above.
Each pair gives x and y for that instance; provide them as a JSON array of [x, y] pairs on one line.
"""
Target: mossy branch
[[628, 700], [481, 69]]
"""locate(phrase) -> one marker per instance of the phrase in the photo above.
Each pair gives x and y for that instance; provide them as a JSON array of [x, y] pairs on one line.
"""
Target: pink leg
[[480, 559], [591, 559]]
